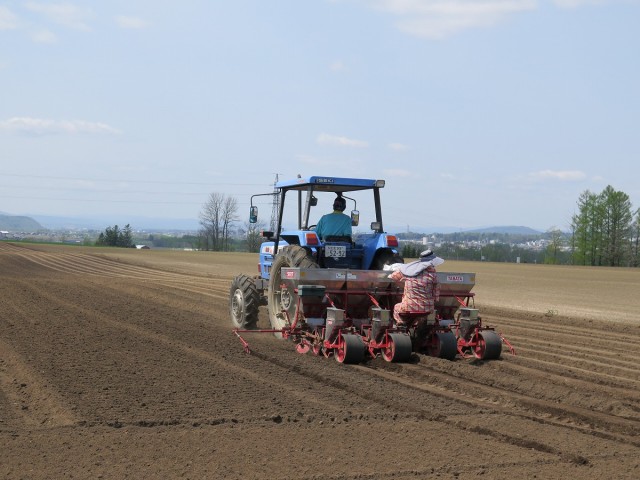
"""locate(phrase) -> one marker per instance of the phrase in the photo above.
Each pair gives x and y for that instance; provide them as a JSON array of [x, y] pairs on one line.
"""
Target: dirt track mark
[[608, 349], [159, 282], [82, 264], [592, 335], [215, 362], [603, 350], [526, 411], [164, 344], [499, 394], [571, 330], [550, 373], [457, 392], [35, 403], [91, 265]]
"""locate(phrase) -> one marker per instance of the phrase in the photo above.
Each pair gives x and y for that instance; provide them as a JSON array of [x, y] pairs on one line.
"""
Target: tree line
[[116, 237], [605, 230], [504, 251]]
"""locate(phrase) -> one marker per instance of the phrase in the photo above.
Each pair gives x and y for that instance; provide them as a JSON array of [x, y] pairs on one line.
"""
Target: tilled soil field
[[123, 365]]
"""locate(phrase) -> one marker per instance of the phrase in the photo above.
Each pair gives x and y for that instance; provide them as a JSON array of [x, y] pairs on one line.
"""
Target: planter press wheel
[[244, 300], [316, 349], [283, 299], [351, 349], [442, 345], [399, 349], [488, 345]]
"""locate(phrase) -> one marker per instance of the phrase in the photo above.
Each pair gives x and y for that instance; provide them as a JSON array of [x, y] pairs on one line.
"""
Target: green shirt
[[334, 224]]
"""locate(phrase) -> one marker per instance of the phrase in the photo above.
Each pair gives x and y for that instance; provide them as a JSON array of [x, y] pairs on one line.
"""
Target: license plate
[[335, 251]]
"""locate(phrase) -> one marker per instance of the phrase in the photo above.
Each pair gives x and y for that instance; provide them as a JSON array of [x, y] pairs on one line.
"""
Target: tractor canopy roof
[[330, 184]]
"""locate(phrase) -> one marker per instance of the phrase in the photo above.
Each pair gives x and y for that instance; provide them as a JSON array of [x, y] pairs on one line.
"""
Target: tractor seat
[[412, 318]]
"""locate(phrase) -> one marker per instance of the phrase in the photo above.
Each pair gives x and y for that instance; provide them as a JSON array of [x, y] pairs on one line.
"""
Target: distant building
[[143, 247]]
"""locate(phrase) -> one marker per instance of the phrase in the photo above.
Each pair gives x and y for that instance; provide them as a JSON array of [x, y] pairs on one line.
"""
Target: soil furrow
[[118, 363]]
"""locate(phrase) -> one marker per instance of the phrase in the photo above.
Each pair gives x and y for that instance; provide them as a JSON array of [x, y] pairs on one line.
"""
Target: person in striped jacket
[[421, 287]]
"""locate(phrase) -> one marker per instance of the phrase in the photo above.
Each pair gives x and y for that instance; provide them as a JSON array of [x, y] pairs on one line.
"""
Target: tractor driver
[[335, 224]]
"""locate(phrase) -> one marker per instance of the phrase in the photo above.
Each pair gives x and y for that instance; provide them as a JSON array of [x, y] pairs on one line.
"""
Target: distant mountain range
[[40, 222], [102, 222], [17, 223], [512, 230]]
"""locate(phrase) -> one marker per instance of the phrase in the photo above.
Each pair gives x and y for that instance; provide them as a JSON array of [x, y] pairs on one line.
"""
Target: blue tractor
[[303, 248]]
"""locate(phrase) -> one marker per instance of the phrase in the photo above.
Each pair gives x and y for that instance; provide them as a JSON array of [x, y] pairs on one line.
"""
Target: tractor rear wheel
[[385, 257], [399, 349], [244, 300], [351, 350], [488, 345], [281, 299], [442, 345]]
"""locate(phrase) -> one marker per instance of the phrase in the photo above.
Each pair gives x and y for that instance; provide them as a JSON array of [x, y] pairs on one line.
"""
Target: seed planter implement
[[333, 296]]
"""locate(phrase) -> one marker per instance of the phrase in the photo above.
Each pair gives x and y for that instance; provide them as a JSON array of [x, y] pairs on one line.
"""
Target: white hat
[[429, 256]]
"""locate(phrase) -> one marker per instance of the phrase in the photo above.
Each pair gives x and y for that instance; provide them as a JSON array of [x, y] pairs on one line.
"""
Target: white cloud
[[44, 36], [65, 14], [8, 21], [42, 126], [578, 3], [437, 19], [133, 23], [398, 147], [338, 141], [559, 175]]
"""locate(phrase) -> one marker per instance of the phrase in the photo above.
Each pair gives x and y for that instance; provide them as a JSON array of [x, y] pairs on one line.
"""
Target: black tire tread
[[251, 298], [385, 257], [403, 347], [290, 256], [493, 345]]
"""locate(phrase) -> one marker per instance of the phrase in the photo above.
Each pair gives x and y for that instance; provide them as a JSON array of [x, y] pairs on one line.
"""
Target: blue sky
[[476, 113]]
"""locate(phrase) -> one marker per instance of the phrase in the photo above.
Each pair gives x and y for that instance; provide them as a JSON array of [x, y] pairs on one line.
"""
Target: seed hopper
[[347, 314]]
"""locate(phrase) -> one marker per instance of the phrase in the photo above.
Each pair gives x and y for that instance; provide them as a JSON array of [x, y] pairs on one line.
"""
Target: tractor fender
[[375, 247]]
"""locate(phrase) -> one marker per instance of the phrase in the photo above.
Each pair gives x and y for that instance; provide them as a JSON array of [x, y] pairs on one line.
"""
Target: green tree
[[411, 249], [602, 229], [587, 229], [635, 240], [125, 239], [114, 237], [616, 225]]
